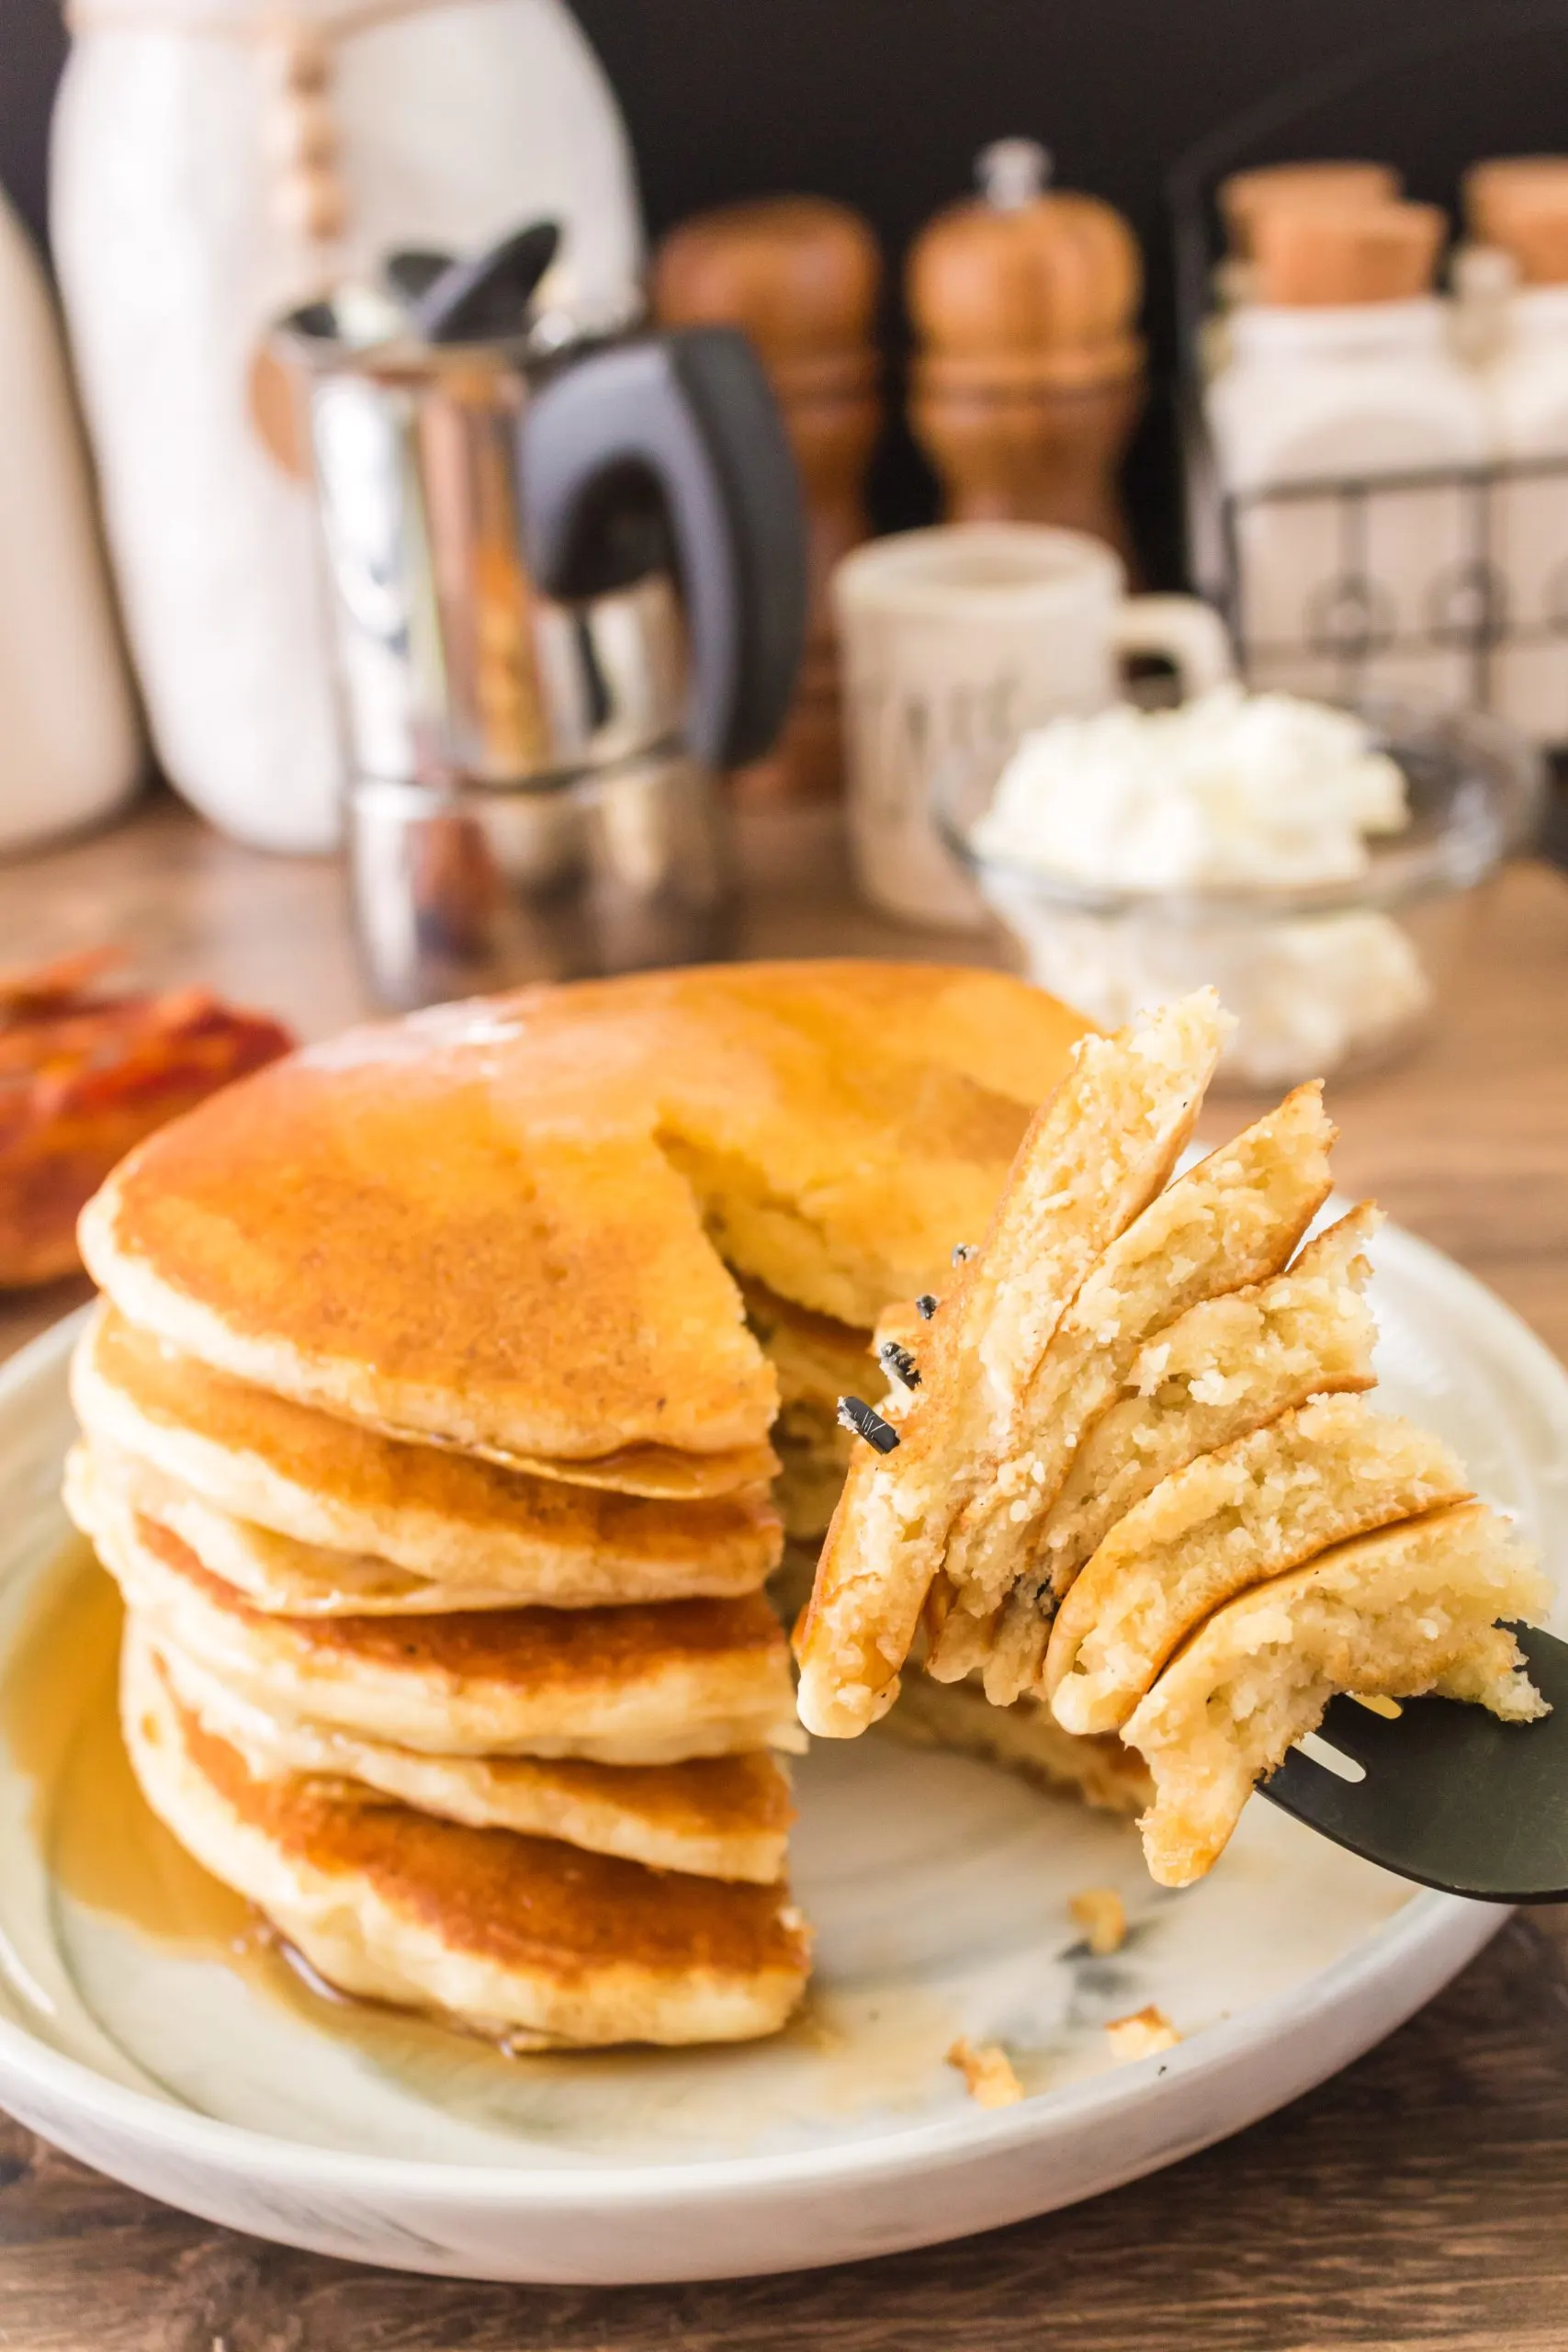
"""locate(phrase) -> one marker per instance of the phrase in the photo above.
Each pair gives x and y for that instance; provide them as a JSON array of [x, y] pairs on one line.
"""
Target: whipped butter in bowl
[[1317, 864]]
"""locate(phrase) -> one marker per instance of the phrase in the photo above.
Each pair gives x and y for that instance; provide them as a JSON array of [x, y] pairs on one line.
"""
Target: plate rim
[[1429, 1922]]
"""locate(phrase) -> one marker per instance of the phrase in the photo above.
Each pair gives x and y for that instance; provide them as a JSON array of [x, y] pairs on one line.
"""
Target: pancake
[[274, 1572], [723, 1816], [1318, 1475], [445, 1519], [1024, 1738], [1411, 1609], [638, 1685], [815, 1357], [1224, 1368], [504, 1226], [1234, 1218], [817, 1360], [524, 1939], [814, 1457], [1095, 1157]]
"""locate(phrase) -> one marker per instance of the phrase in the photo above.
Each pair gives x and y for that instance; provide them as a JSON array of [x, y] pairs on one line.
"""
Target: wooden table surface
[[1419, 2198]]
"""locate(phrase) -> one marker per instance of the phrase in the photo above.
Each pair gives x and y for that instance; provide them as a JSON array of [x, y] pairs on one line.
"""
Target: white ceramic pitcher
[[175, 247], [70, 744]]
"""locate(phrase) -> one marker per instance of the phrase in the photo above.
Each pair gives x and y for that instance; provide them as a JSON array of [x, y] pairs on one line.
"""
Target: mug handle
[[1188, 633]]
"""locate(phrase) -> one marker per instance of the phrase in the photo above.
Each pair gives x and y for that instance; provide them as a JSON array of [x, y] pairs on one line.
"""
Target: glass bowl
[[1328, 979]]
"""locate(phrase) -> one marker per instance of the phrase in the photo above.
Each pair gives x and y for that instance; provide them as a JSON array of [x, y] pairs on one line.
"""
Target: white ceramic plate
[[939, 1891]]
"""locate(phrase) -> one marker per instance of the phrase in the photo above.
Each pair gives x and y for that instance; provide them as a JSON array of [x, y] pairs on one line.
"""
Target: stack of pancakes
[[428, 1428], [1126, 1466]]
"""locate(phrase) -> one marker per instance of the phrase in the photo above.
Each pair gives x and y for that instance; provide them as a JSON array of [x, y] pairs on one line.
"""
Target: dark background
[[884, 102]]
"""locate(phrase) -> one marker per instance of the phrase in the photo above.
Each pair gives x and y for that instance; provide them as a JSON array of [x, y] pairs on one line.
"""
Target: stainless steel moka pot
[[566, 587]]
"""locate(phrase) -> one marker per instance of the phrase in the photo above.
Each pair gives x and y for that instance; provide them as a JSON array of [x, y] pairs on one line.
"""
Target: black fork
[[1445, 1793]]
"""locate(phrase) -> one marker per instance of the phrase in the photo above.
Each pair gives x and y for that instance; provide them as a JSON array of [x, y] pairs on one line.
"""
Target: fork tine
[[1356, 1732], [1450, 1797]]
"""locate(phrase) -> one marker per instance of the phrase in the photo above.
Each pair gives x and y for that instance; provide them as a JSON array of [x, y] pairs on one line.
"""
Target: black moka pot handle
[[692, 410]]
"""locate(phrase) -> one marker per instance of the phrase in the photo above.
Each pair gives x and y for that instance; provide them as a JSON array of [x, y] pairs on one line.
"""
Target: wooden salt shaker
[[1028, 377], [801, 276]]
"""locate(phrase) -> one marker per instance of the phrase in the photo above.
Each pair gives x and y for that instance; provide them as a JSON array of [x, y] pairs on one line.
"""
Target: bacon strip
[[84, 1075]]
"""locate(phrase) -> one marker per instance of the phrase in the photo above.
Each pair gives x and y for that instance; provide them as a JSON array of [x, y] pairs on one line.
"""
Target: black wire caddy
[[1348, 627]]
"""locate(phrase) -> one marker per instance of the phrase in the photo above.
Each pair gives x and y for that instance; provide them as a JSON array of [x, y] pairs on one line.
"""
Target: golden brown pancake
[[275, 1573], [1096, 1156], [638, 1685], [502, 1225], [536, 1943], [1410, 1608], [721, 1816], [441, 1516]]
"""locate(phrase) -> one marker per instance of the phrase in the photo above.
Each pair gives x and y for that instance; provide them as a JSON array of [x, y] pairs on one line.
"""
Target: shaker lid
[[1524, 205], [1321, 256], [800, 272], [1247, 196], [1025, 284], [1491, 188]]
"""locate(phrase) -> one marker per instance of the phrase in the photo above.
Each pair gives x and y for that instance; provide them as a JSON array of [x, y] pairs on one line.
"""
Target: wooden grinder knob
[[1367, 252], [801, 276], [1246, 197], [1520, 204], [1029, 376], [1495, 189]]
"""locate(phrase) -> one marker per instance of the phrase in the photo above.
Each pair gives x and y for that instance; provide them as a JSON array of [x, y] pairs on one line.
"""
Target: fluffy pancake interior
[[535, 1942], [1410, 1608], [1234, 1219], [1226, 1367], [723, 1816], [636, 1685], [1316, 1476]]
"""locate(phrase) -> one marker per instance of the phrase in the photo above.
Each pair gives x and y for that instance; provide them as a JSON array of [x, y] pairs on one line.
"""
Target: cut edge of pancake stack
[[1129, 1471], [427, 1418]]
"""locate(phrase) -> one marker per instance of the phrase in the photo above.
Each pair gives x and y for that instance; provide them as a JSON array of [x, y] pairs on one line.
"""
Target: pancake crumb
[[1102, 1914], [988, 2071], [1141, 2035]]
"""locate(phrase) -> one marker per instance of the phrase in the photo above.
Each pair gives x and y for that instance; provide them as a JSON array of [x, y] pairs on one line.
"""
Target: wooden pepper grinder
[[801, 276], [1028, 377]]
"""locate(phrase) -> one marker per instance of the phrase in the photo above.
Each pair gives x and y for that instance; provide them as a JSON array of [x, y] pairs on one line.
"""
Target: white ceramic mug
[[954, 642]]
